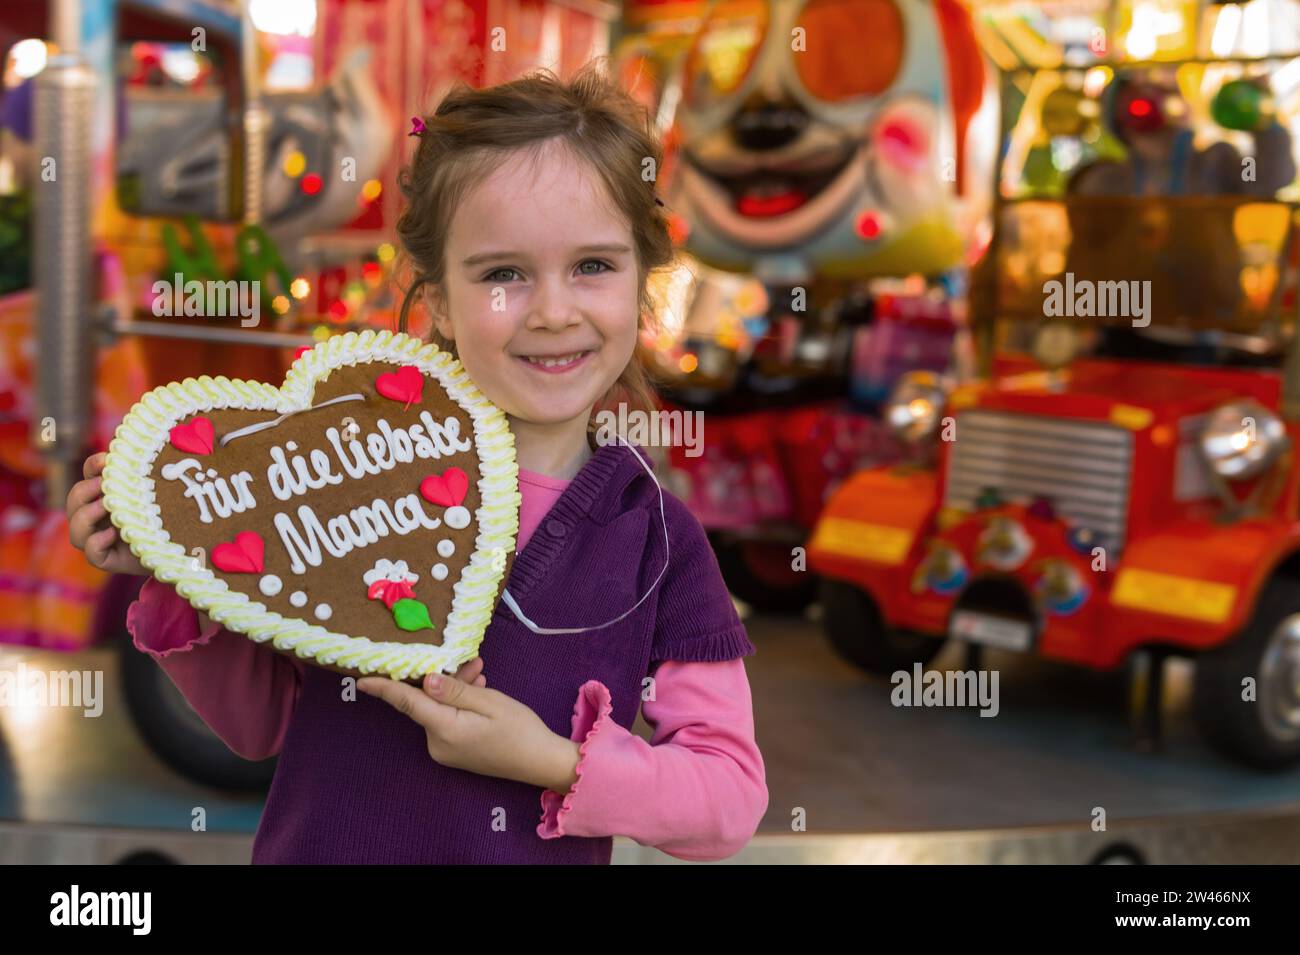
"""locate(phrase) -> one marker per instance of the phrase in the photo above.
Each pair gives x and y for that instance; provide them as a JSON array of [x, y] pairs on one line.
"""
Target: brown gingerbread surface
[[304, 444]]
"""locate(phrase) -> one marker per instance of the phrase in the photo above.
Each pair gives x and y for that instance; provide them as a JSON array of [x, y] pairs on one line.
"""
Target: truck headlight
[[915, 406], [1242, 439]]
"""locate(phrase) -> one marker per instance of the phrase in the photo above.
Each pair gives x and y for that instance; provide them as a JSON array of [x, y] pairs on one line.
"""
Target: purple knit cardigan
[[355, 782]]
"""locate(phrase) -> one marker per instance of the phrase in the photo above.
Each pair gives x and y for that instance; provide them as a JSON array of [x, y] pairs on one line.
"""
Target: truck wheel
[[1264, 732], [858, 632], [177, 735], [759, 573]]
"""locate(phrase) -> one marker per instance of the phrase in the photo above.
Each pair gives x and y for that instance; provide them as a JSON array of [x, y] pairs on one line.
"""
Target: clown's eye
[[840, 70], [724, 50]]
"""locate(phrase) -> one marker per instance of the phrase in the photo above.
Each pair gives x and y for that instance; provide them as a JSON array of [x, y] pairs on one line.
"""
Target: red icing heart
[[244, 556], [446, 489], [405, 385], [193, 438]]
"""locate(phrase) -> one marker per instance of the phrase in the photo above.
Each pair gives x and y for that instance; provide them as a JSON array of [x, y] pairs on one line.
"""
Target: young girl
[[531, 232]]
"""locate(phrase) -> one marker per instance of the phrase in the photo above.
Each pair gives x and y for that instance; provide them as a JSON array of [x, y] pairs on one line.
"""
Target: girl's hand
[[483, 731], [89, 528]]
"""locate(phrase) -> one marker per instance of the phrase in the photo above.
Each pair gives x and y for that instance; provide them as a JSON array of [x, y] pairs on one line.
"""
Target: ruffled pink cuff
[[590, 715], [162, 622]]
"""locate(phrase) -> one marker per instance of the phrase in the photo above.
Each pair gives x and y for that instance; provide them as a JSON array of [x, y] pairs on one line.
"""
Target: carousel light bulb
[[29, 57], [300, 288], [281, 304], [385, 252], [294, 164], [371, 190]]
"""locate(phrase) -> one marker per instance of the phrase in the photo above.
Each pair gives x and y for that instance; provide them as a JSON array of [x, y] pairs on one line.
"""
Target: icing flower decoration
[[393, 570], [389, 581], [417, 126], [390, 591]]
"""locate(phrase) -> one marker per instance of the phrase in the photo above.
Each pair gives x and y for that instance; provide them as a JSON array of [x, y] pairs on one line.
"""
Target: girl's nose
[[553, 306]]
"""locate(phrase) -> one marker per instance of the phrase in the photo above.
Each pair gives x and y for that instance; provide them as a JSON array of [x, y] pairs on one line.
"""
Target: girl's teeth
[[552, 362]]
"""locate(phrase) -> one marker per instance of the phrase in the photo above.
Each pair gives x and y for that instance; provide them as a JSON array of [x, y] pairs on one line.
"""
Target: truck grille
[[1081, 467]]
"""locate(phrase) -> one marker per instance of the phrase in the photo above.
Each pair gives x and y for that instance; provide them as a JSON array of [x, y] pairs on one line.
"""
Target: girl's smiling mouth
[[556, 364]]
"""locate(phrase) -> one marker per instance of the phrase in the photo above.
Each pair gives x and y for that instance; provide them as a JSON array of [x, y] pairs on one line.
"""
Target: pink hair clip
[[417, 126]]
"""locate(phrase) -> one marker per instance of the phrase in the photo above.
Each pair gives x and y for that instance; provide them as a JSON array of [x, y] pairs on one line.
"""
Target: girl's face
[[541, 291]]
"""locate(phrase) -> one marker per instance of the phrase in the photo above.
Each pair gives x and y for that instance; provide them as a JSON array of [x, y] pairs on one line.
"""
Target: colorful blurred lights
[[311, 184], [300, 288], [284, 17], [295, 164], [29, 57]]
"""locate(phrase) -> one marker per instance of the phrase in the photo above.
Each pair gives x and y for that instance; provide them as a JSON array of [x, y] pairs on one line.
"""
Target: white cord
[[263, 425], [510, 601]]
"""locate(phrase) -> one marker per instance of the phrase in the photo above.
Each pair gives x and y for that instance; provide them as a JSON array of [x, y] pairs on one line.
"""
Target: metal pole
[[256, 118], [64, 103], [196, 333]]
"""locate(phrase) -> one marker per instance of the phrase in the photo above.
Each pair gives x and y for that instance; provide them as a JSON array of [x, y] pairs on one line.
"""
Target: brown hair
[[474, 130]]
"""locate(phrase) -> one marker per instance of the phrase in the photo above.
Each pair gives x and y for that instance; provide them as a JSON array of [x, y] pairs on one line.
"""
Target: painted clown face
[[825, 137]]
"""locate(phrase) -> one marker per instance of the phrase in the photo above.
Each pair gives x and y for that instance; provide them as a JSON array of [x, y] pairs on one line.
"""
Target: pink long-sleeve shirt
[[696, 791]]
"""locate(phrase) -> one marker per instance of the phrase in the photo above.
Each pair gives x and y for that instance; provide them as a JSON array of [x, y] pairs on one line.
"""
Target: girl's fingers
[[94, 465], [407, 700], [100, 545], [82, 493], [481, 681], [82, 523], [470, 670]]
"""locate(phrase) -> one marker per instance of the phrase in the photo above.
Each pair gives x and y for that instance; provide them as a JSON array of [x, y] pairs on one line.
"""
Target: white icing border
[[129, 496]]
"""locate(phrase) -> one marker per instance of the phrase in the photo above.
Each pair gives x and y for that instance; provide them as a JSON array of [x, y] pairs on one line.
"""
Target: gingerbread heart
[[446, 489], [355, 516], [241, 556], [405, 385], [195, 436]]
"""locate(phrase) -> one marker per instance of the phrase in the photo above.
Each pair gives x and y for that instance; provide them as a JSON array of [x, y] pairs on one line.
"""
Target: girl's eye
[[604, 266], [488, 277]]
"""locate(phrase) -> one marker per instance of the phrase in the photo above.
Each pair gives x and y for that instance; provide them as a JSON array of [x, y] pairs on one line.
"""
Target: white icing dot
[[323, 612], [446, 548], [298, 598], [457, 517], [292, 445], [212, 472], [269, 585], [439, 571]]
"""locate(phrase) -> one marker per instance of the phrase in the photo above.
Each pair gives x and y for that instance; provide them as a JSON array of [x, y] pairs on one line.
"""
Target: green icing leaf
[[412, 615]]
